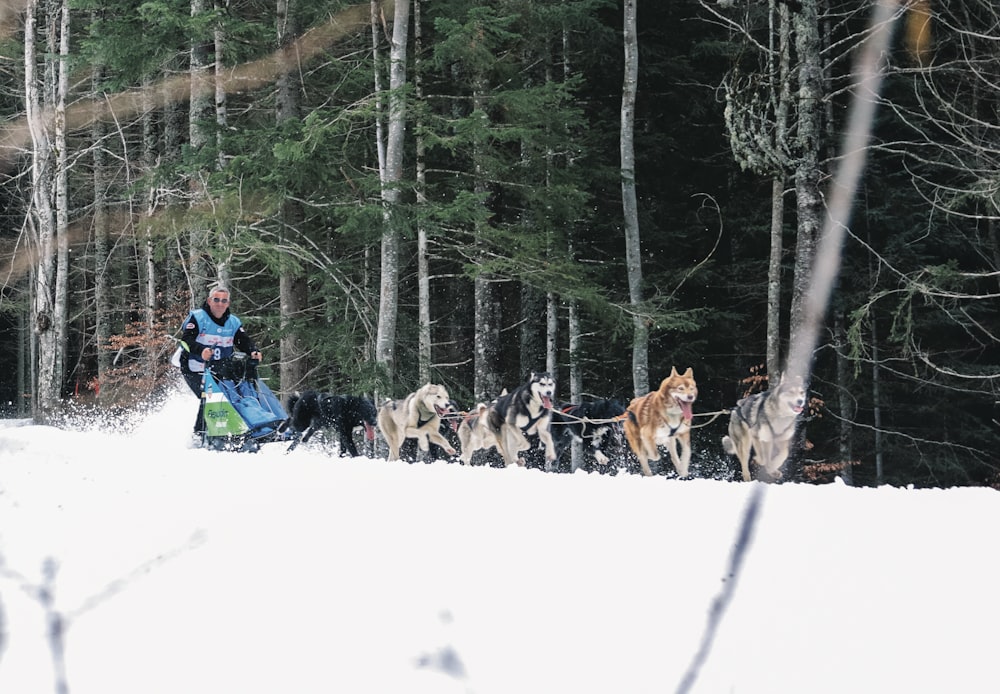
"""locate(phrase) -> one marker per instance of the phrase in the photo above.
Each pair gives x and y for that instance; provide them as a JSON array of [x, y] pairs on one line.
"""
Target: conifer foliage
[[157, 147]]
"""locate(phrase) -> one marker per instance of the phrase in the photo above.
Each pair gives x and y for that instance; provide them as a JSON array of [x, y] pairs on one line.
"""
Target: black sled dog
[[312, 411]]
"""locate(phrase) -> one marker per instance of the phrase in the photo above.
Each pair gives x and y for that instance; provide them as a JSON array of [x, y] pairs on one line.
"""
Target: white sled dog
[[764, 423], [417, 416]]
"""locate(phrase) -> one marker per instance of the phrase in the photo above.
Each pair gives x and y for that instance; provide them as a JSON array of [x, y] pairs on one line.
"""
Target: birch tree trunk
[[376, 22], [552, 334], [60, 317], [292, 285], [45, 117], [385, 339], [41, 218], [149, 156], [630, 211]]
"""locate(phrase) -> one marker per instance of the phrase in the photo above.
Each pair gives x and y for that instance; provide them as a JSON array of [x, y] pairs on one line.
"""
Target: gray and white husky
[[765, 423], [524, 411]]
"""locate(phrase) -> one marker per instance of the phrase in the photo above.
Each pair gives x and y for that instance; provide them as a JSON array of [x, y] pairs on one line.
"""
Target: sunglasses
[[217, 300]]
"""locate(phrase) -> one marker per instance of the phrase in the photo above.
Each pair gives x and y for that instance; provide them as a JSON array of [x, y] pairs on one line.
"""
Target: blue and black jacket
[[222, 335]]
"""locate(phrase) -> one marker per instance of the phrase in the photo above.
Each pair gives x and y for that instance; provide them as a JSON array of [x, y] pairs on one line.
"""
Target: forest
[[468, 191]]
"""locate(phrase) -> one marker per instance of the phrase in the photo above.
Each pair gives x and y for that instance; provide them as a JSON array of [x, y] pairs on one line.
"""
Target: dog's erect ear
[[689, 373], [776, 381], [673, 371]]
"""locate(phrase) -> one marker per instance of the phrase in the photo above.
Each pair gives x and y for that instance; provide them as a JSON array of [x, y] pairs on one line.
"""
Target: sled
[[241, 413]]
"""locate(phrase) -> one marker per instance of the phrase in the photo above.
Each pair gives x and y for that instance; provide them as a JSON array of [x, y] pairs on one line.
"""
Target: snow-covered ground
[[181, 571]]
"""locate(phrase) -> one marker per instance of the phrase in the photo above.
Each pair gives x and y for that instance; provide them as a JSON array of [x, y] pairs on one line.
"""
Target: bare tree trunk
[[552, 333], [574, 323], [809, 199], [774, 276], [845, 402], [199, 109], [487, 382], [376, 22], [423, 266], [779, 69], [102, 303], [221, 97], [575, 375], [877, 406], [385, 340], [630, 208], [24, 358], [174, 126], [293, 287], [149, 151], [487, 340], [42, 217], [60, 316], [41, 99], [534, 335], [223, 256]]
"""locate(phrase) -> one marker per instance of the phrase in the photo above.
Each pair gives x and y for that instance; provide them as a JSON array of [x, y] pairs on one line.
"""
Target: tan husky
[[764, 424], [663, 417], [474, 433], [417, 416]]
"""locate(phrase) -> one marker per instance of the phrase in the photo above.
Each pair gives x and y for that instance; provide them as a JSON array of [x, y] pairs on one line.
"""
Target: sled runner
[[241, 412]]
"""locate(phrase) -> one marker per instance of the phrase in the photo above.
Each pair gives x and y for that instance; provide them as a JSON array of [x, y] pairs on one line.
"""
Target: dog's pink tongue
[[547, 402], [686, 410], [369, 432]]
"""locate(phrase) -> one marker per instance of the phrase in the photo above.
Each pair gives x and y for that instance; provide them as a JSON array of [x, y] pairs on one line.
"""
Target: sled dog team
[[761, 426]]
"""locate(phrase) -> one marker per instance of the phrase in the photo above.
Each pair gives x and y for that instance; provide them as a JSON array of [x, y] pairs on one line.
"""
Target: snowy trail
[[192, 571]]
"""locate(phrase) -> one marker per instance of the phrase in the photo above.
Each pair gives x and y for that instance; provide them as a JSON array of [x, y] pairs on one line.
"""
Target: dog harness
[[532, 421], [739, 410]]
